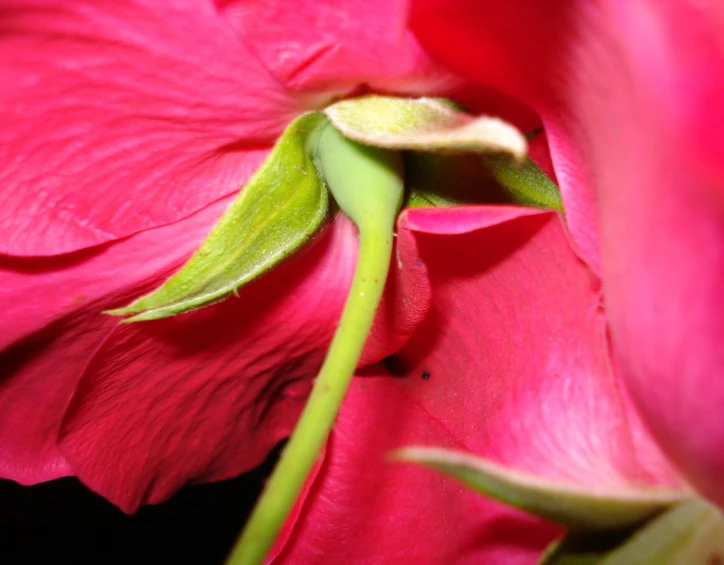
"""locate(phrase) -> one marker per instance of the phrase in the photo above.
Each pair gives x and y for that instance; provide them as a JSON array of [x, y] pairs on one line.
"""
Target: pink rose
[[127, 129], [630, 95]]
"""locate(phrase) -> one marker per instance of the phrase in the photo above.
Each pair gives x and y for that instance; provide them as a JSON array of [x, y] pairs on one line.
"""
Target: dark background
[[63, 522]]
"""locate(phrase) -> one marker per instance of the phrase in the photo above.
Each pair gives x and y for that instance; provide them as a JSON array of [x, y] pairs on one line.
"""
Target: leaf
[[446, 180], [577, 508], [691, 533], [526, 183], [278, 211], [423, 124]]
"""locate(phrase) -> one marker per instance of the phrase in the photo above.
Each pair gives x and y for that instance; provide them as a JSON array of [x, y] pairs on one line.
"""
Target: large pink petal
[[660, 171], [35, 292], [638, 89], [524, 49], [363, 509], [37, 381], [338, 46], [205, 396], [354, 47], [123, 116], [511, 363], [52, 323]]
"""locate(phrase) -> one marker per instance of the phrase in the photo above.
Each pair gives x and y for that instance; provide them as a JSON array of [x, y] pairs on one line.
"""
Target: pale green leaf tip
[[575, 506], [252, 236], [424, 124]]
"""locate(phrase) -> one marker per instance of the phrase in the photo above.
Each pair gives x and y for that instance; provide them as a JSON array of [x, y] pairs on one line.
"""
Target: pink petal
[[52, 324], [38, 379], [205, 396], [35, 292], [328, 45], [364, 509], [124, 116], [637, 91], [553, 405], [522, 48], [660, 171], [511, 364]]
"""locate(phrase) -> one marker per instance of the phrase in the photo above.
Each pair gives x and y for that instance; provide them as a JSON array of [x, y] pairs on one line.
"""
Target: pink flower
[[127, 129], [630, 96], [511, 364]]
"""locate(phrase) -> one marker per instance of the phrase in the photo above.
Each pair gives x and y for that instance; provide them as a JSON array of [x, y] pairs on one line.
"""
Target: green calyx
[[450, 158], [362, 179], [279, 210], [361, 151], [578, 508]]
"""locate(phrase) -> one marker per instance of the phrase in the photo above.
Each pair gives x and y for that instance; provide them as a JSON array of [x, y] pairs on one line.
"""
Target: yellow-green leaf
[[690, 533], [279, 209], [576, 507]]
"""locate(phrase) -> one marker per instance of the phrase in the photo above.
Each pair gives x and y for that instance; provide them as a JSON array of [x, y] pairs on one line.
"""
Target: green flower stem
[[367, 184]]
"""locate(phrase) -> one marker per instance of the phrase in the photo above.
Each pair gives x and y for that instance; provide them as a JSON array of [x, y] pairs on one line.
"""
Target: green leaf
[[690, 533], [446, 180], [279, 210], [525, 183], [423, 124], [576, 507]]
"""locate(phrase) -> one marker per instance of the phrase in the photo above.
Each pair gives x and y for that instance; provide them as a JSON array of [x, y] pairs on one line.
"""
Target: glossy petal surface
[[636, 92], [524, 48], [120, 117], [338, 46], [52, 323], [510, 364], [209, 393]]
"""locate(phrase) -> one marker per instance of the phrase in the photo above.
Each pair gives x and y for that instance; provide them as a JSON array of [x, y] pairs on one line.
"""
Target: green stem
[[374, 216]]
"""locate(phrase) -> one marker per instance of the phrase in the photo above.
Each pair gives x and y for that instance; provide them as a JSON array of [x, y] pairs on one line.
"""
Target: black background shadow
[[63, 522]]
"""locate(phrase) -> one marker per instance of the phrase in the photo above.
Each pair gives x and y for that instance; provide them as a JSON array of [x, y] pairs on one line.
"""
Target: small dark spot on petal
[[715, 559], [396, 366], [425, 376]]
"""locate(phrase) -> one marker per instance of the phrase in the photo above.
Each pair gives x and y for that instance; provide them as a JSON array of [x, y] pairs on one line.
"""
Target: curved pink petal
[[35, 292], [52, 323], [205, 396], [363, 509], [124, 116], [637, 92], [511, 363], [362, 45], [37, 381], [326, 45], [660, 172], [522, 48]]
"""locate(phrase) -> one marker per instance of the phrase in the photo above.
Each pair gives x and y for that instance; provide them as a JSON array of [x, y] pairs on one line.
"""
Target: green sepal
[[576, 507], [448, 180], [423, 124], [277, 212], [525, 183], [690, 533]]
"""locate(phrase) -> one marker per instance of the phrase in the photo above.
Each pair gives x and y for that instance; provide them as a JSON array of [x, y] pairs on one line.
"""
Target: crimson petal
[[511, 364], [124, 116]]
